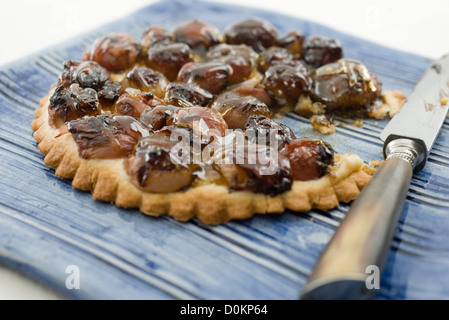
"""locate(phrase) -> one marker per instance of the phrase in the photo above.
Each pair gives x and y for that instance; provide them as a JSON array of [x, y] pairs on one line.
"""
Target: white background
[[420, 27]]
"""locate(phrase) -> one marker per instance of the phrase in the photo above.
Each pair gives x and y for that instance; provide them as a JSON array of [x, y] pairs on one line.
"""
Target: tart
[[183, 122]]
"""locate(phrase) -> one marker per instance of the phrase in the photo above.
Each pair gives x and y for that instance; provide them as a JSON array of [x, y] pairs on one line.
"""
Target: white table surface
[[27, 26]]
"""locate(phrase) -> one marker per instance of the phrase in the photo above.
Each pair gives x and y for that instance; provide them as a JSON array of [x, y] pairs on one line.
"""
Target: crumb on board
[[322, 124], [357, 123], [372, 166], [306, 108], [391, 102]]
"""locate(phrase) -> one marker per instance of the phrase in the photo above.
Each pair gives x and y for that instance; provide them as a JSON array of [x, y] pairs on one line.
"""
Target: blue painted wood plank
[[46, 226]]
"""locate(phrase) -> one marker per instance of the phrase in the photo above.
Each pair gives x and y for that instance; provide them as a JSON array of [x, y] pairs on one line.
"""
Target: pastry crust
[[108, 181]]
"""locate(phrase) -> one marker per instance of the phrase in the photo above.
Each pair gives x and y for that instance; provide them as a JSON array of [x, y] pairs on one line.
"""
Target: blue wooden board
[[46, 226]]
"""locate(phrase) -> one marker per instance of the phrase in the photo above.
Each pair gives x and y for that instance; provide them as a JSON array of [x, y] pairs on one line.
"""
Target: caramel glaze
[[106, 137], [345, 85], [236, 107], [318, 51], [128, 99], [134, 103], [168, 58], [200, 36], [285, 81], [187, 95], [147, 80], [254, 32], [115, 51], [154, 166]]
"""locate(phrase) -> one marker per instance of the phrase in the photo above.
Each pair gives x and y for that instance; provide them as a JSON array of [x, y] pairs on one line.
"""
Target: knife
[[357, 252]]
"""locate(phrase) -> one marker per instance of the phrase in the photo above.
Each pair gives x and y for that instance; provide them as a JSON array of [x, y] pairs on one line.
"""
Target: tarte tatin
[[184, 122]]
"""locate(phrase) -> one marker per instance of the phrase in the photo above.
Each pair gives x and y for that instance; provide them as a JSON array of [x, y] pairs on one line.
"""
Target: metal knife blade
[[362, 241], [422, 115]]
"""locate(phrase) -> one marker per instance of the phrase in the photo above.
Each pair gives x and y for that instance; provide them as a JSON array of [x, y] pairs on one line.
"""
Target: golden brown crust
[[386, 107], [210, 203], [391, 102]]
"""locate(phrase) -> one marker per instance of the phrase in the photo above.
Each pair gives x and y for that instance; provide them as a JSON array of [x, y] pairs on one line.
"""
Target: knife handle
[[364, 236]]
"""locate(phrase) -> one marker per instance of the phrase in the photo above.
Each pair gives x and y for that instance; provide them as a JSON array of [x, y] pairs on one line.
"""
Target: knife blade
[[357, 252]]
